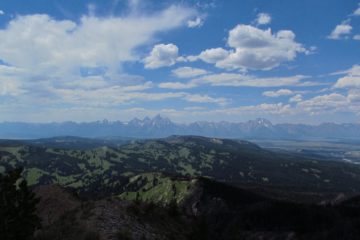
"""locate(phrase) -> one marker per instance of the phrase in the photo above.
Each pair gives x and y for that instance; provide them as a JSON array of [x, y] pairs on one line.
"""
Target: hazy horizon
[[151, 117]]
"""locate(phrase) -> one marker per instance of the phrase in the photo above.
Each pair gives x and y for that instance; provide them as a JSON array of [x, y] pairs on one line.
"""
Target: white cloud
[[198, 98], [211, 55], [357, 11], [49, 43], [115, 95], [195, 23], [9, 87], [176, 85], [237, 80], [296, 98], [356, 37], [254, 48], [325, 103], [278, 93], [260, 109], [2, 12], [87, 83], [354, 96], [188, 72], [56, 50], [46, 57], [9, 70], [263, 19], [352, 78], [348, 81], [340, 31], [343, 30], [240, 80], [110, 96], [162, 55]]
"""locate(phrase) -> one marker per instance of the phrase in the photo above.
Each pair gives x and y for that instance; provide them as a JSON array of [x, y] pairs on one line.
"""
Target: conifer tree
[[18, 219]]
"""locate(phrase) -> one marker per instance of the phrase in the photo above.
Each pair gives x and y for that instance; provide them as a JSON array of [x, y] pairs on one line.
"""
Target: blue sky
[[288, 61]]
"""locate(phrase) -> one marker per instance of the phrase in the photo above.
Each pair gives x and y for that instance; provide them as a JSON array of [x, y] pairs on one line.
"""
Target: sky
[[189, 60]]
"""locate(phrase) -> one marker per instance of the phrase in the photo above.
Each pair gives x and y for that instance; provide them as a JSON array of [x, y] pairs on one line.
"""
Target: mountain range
[[162, 127]]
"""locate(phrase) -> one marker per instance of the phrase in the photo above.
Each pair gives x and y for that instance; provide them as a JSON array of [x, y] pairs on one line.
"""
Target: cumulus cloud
[[354, 96], [254, 48], [10, 84], [9, 87], [195, 23], [56, 50], [343, 30], [50, 45], [263, 19], [162, 55], [356, 37], [348, 81], [324, 103], [7, 71], [340, 31], [260, 49], [296, 98], [351, 79], [211, 55], [278, 93], [188, 72], [79, 63]]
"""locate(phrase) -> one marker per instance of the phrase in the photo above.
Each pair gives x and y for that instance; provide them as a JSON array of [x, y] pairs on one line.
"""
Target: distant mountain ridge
[[162, 127]]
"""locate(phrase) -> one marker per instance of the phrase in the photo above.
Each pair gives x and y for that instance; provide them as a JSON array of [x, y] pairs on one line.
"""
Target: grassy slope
[[225, 160], [158, 188]]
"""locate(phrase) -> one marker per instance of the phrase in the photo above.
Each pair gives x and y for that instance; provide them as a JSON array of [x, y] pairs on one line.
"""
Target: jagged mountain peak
[[159, 118], [135, 122], [146, 119], [156, 120], [261, 122]]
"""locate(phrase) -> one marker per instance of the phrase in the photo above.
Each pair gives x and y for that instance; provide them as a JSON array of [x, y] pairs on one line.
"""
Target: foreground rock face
[[54, 203], [66, 217], [197, 208]]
